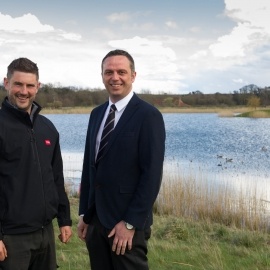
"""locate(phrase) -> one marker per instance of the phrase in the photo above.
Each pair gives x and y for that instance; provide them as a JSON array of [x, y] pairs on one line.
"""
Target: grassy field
[[194, 228]]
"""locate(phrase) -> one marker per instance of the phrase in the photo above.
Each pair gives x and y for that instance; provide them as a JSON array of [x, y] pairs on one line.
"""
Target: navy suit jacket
[[126, 182]]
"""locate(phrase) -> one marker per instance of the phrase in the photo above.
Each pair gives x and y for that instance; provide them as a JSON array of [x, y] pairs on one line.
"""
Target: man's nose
[[115, 76], [23, 89]]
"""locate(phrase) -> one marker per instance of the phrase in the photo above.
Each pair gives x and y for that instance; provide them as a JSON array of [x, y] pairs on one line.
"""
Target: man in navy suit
[[119, 189]]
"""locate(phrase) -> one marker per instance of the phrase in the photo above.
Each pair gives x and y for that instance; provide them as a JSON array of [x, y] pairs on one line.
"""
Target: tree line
[[51, 96]]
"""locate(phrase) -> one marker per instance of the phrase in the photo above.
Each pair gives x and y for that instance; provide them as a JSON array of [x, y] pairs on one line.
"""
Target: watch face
[[129, 226]]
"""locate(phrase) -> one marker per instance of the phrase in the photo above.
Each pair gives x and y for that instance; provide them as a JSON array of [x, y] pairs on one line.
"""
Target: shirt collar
[[121, 104]]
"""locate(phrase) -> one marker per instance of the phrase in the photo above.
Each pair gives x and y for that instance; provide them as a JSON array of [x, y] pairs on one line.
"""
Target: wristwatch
[[129, 226]]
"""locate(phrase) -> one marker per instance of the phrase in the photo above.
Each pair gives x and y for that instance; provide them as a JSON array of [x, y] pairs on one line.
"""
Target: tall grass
[[197, 225], [200, 198]]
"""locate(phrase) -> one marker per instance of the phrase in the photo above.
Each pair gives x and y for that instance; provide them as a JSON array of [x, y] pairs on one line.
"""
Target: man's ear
[[134, 76], [5, 81], [38, 86]]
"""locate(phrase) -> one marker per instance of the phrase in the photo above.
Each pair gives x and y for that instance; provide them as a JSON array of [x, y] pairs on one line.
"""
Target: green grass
[[265, 113], [72, 255], [184, 243]]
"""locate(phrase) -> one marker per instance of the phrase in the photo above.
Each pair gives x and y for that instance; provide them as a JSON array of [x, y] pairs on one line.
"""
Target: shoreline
[[219, 110]]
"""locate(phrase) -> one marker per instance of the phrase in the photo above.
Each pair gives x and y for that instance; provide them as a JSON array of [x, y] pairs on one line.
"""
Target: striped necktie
[[107, 131]]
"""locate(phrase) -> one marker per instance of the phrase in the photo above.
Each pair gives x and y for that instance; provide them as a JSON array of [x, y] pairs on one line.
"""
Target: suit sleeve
[[151, 156]]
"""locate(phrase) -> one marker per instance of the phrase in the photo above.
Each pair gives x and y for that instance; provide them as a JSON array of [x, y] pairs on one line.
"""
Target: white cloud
[[155, 63], [198, 55], [240, 81], [255, 12], [28, 23], [118, 17], [195, 29], [251, 32], [61, 56], [171, 24], [242, 53], [71, 36]]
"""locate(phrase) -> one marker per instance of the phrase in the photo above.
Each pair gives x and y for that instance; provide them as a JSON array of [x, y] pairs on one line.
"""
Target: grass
[[221, 111], [260, 113], [196, 226]]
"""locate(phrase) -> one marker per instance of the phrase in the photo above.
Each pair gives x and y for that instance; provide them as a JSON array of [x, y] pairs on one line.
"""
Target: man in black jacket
[[32, 191]]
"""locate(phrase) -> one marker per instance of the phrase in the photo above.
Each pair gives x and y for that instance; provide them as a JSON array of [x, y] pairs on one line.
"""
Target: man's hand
[[65, 234], [3, 251], [122, 238], [82, 229]]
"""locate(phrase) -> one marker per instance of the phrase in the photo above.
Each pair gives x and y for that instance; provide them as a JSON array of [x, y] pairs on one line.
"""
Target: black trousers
[[30, 251], [100, 249]]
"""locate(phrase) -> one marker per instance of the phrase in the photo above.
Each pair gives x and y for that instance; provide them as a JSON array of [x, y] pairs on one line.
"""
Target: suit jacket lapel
[[128, 112]]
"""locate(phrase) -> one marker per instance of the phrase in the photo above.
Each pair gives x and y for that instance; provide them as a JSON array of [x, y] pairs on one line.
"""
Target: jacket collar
[[36, 108]]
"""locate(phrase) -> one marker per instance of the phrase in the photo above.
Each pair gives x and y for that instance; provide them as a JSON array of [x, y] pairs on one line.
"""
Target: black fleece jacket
[[32, 191]]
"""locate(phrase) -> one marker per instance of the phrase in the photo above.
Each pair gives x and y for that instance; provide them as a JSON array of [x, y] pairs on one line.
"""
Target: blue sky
[[179, 46]]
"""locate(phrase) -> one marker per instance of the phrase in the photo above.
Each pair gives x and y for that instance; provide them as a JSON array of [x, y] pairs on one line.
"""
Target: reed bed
[[199, 198], [260, 114]]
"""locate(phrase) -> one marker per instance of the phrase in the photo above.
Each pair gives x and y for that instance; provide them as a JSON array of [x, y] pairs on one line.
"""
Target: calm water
[[227, 148]]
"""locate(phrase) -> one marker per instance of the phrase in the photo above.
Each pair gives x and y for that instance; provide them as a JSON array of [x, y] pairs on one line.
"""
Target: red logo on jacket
[[47, 142]]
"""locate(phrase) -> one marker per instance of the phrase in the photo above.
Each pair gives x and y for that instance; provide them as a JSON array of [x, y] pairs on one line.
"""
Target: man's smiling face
[[117, 77], [22, 89]]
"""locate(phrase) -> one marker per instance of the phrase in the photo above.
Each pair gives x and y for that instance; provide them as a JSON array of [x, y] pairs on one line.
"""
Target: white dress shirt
[[120, 107]]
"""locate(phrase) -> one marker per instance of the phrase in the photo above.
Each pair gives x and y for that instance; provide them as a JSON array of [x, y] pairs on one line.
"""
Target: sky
[[179, 46]]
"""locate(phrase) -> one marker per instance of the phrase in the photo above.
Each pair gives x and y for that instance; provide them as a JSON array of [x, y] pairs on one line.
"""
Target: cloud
[[119, 17], [252, 29], [63, 57], [28, 23], [195, 29], [171, 24], [239, 80], [156, 64], [241, 53], [71, 36]]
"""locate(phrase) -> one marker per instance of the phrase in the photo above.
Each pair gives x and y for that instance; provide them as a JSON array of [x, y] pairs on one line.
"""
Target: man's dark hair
[[120, 52], [22, 65]]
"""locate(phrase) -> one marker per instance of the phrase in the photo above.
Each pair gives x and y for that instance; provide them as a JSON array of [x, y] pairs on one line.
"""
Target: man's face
[[117, 77], [22, 89]]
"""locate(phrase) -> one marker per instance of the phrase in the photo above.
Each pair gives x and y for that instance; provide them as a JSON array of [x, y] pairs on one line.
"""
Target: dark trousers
[[30, 251], [100, 249]]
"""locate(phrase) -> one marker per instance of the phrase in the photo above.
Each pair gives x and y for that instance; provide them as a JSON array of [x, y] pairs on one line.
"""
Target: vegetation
[[196, 226], [51, 96], [256, 114]]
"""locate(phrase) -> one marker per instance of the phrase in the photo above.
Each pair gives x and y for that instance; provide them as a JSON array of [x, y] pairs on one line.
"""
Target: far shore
[[243, 111], [222, 111]]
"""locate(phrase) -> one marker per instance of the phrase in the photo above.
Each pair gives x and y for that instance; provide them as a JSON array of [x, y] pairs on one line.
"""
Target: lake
[[232, 149]]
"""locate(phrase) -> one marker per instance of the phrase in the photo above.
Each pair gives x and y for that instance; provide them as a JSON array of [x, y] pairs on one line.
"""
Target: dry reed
[[259, 114], [198, 198]]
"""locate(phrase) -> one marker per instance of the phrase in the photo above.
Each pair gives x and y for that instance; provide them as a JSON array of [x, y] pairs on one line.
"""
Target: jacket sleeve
[[85, 183], [151, 157], [63, 216], [1, 196]]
